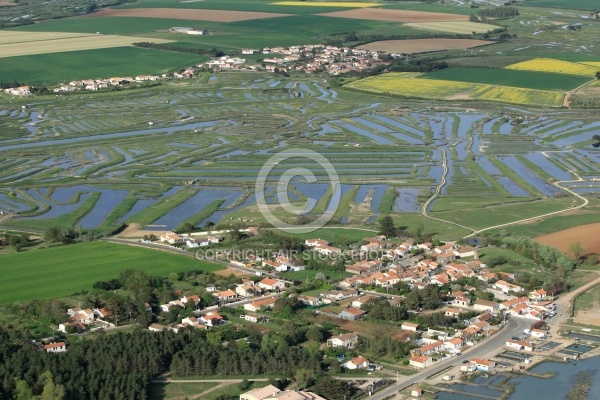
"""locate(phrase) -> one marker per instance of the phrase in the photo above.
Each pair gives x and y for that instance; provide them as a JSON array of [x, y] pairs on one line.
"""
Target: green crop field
[[112, 25], [504, 77], [101, 63], [235, 5], [568, 4], [61, 271]]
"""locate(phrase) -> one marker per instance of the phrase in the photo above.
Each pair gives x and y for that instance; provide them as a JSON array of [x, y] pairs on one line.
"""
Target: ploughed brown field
[[396, 15], [422, 45], [588, 235], [187, 14]]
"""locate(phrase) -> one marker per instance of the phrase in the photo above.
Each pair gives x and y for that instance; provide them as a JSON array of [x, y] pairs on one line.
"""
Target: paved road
[[484, 349]]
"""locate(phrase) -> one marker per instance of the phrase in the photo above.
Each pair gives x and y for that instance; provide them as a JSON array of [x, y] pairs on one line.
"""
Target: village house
[[356, 363], [538, 295], [454, 344], [157, 328], [175, 303], [316, 242], [409, 326], [362, 300], [337, 295], [248, 290], [57, 347], [277, 266], [309, 300], [352, 313], [519, 345], [225, 295], [170, 237], [211, 319], [506, 287], [486, 305], [430, 348], [348, 340], [364, 266], [420, 361], [327, 250], [538, 333], [256, 318], [372, 246], [483, 365], [271, 284], [452, 312], [260, 304]]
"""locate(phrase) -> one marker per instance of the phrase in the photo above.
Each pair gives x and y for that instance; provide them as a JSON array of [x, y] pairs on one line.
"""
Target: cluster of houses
[[207, 320], [19, 91], [81, 319], [309, 58], [97, 84], [173, 239]]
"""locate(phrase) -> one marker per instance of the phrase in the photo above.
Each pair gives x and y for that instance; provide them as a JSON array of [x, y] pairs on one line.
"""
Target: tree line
[[214, 52]]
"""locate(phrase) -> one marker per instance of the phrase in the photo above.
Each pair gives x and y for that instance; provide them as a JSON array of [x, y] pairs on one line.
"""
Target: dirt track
[[422, 45], [379, 14], [588, 235], [187, 14]]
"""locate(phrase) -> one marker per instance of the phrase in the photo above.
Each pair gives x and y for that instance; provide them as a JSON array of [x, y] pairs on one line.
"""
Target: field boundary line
[[557, 184]]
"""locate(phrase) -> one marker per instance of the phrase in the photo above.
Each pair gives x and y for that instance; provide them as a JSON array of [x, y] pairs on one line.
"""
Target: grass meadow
[[514, 78], [64, 270], [100, 63]]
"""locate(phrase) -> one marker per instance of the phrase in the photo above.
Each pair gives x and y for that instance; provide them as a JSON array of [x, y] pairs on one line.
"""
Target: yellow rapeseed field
[[326, 4], [41, 46], [461, 27], [398, 84], [595, 64], [558, 66], [516, 95]]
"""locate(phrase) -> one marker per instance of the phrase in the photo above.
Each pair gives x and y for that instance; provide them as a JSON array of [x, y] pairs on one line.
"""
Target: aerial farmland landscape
[[250, 199]]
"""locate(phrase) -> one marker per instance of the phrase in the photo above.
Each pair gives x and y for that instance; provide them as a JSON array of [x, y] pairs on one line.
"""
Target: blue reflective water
[[529, 387], [191, 206], [406, 200], [107, 202], [377, 190], [487, 166], [511, 187], [548, 166], [144, 203], [363, 132], [528, 176], [8, 203], [107, 136]]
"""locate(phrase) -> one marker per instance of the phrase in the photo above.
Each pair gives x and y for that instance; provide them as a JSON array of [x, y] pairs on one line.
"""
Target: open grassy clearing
[[61, 45], [350, 4], [514, 78], [60, 271], [186, 14], [588, 300], [501, 214], [98, 63]]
